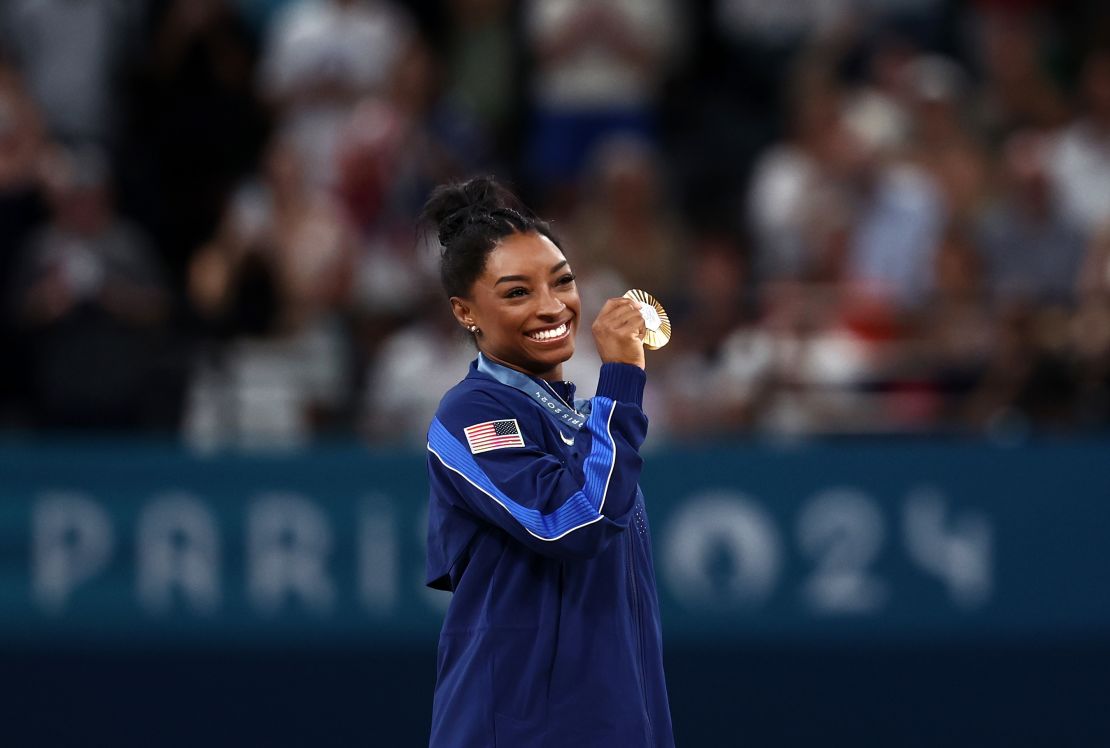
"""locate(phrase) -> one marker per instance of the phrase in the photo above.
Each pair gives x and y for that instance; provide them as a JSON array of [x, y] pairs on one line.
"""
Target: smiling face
[[526, 305]]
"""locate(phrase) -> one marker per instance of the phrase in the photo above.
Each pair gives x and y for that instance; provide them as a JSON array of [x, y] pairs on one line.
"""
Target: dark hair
[[470, 218]]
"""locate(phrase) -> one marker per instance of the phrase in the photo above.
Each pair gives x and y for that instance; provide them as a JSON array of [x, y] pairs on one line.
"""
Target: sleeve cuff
[[623, 383]]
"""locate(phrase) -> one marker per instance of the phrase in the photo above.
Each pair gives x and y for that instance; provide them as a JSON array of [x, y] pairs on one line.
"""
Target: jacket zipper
[[638, 626]]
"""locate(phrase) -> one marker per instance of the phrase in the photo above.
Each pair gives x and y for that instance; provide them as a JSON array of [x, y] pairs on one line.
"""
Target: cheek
[[509, 322], [573, 301]]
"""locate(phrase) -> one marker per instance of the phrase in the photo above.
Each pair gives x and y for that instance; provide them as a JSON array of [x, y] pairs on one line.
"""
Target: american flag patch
[[482, 437]]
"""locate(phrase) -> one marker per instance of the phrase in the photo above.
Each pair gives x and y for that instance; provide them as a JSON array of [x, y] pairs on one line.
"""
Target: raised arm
[[529, 492]]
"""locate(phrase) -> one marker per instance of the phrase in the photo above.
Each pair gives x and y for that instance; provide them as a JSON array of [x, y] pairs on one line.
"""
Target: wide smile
[[554, 334]]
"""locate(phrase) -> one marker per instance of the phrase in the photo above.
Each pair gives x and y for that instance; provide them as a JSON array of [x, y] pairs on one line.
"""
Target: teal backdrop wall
[[850, 592]]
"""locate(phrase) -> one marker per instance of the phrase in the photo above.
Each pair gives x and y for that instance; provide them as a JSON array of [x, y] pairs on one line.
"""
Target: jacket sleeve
[[529, 492]]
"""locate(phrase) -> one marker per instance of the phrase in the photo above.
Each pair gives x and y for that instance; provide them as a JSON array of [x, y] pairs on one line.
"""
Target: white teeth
[[557, 332]]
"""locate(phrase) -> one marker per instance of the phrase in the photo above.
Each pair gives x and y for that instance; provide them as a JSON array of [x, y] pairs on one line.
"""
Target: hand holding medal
[[629, 325], [658, 324]]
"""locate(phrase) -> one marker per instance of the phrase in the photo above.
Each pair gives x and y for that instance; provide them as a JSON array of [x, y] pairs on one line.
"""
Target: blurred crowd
[[864, 216]]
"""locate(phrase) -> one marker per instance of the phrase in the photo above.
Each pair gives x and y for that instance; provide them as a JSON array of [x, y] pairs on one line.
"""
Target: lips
[[548, 334]]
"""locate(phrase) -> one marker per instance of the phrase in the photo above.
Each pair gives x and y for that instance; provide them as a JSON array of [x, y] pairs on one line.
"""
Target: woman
[[536, 522]]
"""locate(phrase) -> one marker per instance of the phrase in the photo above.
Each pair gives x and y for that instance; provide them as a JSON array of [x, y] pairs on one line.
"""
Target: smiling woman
[[536, 522], [524, 305]]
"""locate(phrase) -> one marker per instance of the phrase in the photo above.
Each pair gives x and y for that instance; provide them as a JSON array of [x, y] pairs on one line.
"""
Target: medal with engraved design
[[656, 321]]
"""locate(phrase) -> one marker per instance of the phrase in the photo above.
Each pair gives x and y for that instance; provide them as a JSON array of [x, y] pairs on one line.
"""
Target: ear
[[463, 312]]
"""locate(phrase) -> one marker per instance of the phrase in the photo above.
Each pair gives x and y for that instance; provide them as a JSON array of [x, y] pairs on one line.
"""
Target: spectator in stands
[[396, 410], [625, 228], [817, 359], [793, 177], [392, 149], [760, 39], [945, 354], [598, 68], [388, 154], [899, 220], [195, 125], [90, 295], [1033, 379], [717, 372], [72, 56], [297, 230], [1032, 249], [1017, 91], [274, 283], [1079, 162], [319, 59], [380, 157], [941, 140]]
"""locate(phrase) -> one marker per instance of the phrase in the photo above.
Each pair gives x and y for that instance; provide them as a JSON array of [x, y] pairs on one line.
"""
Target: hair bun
[[453, 225], [452, 208]]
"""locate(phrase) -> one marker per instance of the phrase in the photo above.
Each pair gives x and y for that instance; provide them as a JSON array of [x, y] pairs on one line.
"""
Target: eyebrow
[[507, 278]]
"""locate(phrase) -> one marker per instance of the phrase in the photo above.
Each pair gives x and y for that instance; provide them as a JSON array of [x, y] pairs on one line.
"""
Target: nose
[[550, 305]]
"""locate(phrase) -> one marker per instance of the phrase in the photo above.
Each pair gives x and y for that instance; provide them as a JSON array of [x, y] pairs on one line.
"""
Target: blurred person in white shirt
[[320, 58], [599, 66], [1079, 164]]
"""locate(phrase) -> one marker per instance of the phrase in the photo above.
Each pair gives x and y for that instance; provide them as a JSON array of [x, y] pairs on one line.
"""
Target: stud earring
[[474, 329]]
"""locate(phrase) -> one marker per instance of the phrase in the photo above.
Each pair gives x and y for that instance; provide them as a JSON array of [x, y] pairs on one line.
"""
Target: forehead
[[522, 254]]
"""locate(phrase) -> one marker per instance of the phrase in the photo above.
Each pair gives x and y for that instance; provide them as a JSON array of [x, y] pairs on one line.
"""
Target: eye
[[516, 292], [566, 279]]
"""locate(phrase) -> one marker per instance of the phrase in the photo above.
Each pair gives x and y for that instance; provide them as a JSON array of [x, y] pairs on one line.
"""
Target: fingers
[[620, 312], [619, 332]]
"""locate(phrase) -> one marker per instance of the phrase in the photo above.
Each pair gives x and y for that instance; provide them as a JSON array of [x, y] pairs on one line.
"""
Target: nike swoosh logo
[[568, 442]]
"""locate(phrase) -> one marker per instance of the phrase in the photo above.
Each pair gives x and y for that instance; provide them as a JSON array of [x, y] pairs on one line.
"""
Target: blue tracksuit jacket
[[538, 526]]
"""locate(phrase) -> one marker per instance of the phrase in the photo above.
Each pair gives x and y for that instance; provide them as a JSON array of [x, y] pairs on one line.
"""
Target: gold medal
[[656, 321]]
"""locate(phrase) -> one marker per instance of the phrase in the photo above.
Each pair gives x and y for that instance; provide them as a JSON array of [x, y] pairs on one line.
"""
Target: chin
[[557, 356], [543, 362]]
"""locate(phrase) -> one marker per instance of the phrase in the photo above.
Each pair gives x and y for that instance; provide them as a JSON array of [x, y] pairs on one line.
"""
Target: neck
[[555, 374]]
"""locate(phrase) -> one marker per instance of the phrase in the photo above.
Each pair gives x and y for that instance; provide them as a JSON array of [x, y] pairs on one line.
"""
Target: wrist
[[622, 382]]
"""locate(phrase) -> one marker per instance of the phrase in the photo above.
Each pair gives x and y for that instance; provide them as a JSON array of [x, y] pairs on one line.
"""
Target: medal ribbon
[[551, 403]]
